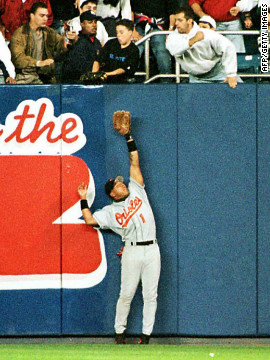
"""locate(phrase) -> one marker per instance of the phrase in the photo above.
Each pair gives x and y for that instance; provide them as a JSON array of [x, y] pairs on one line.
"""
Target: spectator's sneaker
[[120, 339], [144, 339]]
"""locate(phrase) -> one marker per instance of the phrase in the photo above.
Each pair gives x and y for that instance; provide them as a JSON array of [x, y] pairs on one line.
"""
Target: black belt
[[143, 243]]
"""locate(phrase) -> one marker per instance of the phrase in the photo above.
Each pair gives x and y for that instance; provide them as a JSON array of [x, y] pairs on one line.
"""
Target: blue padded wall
[[204, 153]]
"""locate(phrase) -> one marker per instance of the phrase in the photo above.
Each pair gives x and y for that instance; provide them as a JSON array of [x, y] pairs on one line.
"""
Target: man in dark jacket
[[34, 46], [84, 51]]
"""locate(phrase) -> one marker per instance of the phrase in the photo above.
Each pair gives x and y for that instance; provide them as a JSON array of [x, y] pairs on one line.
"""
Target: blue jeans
[[216, 75], [159, 50], [237, 40]]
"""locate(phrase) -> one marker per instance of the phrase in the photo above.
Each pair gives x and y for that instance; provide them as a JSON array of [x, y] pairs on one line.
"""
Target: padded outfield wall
[[205, 157]]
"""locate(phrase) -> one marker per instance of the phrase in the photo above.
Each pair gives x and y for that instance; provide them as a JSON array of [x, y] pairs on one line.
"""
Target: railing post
[[177, 72], [147, 59]]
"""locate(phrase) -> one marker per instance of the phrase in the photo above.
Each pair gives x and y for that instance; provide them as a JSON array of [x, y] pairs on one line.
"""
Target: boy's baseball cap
[[208, 20]]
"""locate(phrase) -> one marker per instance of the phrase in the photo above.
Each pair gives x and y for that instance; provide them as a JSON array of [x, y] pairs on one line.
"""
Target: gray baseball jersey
[[131, 218]]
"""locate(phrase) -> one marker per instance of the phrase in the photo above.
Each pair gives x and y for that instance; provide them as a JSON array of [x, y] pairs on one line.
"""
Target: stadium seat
[[248, 64]]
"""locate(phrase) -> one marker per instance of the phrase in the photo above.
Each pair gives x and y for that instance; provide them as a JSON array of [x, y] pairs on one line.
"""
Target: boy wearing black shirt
[[119, 58]]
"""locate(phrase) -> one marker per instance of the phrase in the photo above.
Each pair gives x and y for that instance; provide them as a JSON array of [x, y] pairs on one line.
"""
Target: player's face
[[39, 19], [124, 35], [89, 27], [90, 7], [182, 24], [119, 190]]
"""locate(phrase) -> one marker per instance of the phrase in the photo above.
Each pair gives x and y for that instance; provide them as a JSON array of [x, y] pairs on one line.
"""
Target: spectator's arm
[[125, 9], [177, 44], [116, 72], [96, 66], [198, 37], [196, 7], [246, 5], [172, 22], [5, 57], [60, 45], [225, 48]]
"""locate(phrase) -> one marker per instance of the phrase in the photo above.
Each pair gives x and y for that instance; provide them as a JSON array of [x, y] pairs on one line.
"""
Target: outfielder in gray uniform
[[130, 216]]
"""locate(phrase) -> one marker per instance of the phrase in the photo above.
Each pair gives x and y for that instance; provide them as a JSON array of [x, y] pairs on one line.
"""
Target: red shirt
[[14, 13], [217, 9]]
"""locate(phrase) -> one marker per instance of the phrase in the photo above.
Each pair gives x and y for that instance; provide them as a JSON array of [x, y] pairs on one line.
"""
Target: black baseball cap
[[110, 184], [88, 15]]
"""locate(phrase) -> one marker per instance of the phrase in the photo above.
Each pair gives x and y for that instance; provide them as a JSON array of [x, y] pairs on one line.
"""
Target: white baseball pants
[[138, 263]]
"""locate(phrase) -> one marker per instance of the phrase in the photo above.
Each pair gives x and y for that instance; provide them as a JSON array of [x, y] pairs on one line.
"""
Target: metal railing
[[178, 75]]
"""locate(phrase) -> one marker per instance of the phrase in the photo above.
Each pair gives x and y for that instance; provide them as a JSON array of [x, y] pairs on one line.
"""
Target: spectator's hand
[[248, 22], [198, 37], [10, 80], [77, 4], [46, 62], [234, 11], [72, 36], [232, 81], [136, 36]]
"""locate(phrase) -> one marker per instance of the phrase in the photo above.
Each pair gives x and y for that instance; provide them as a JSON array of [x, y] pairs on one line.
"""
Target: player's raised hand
[[122, 122], [82, 190]]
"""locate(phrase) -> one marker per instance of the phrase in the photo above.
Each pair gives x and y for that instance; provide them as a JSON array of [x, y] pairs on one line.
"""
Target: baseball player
[[130, 216]]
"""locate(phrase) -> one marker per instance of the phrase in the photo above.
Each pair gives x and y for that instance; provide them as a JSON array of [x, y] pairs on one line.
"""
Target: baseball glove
[[122, 122], [94, 78]]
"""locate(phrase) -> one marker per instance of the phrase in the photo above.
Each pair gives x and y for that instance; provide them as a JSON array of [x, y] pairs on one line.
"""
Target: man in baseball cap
[[207, 22], [84, 50]]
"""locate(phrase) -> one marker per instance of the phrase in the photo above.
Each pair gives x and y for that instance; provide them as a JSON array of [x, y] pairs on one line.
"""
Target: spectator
[[33, 48], [206, 22], [90, 5], [220, 11], [119, 58], [83, 53], [207, 56], [110, 11], [63, 10], [8, 69], [109, 8], [152, 16], [15, 13]]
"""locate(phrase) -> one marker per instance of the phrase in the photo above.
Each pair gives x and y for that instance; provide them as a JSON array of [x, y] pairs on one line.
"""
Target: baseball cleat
[[144, 339], [120, 339]]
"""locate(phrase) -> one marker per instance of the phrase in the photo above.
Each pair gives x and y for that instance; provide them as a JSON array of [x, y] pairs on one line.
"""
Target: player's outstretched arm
[[87, 215], [135, 170]]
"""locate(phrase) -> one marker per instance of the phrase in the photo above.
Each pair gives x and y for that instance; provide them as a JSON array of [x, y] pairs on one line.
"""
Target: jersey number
[[142, 217]]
